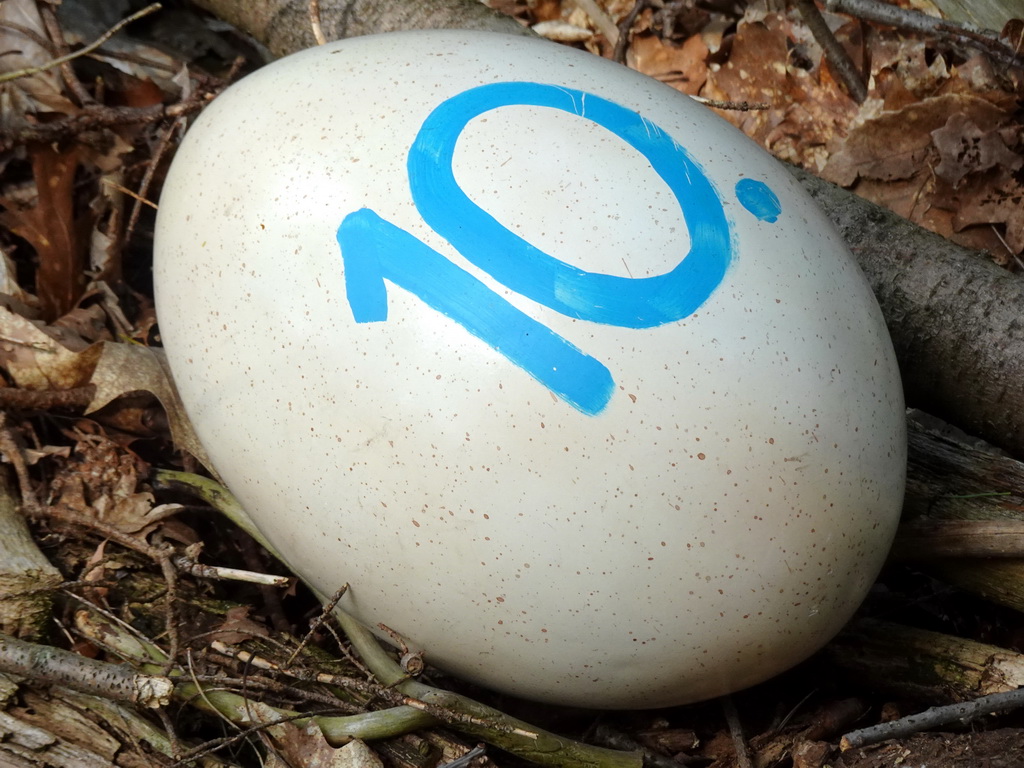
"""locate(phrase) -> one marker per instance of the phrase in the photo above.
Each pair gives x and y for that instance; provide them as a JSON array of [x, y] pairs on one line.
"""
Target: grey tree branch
[[26, 577], [953, 315], [47, 665], [935, 717], [915, 21], [836, 54]]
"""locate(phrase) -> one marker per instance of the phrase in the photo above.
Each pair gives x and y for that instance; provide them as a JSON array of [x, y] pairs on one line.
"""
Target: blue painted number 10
[[374, 250]]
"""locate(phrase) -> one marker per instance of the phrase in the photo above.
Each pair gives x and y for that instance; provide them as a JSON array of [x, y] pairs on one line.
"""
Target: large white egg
[[565, 377]]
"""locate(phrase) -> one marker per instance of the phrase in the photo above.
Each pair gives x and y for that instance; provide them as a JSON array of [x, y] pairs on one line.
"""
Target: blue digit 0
[[623, 301], [375, 250]]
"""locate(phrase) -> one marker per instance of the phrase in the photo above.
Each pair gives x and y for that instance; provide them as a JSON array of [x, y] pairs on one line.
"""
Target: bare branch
[[81, 51], [834, 52], [964, 712], [915, 21], [53, 666]]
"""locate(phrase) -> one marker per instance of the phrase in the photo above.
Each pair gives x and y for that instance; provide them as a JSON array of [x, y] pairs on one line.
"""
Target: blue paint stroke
[[621, 301], [758, 198], [375, 250]]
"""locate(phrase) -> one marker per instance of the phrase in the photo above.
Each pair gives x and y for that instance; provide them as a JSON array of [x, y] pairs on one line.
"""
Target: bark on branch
[[954, 317], [26, 577], [53, 666]]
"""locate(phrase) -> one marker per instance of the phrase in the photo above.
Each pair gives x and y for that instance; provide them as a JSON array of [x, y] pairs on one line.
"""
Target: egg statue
[[568, 380]]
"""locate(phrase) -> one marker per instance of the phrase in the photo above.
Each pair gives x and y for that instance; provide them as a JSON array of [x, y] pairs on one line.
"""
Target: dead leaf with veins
[[806, 107], [684, 67], [237, 627], [993, 197], [125, 368], [51, 226], [101, 480], [39, 357], [965, 148], [894, 145], [39, 92]]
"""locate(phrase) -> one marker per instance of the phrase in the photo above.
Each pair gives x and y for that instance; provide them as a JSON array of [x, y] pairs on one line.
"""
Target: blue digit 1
[[375, 250]]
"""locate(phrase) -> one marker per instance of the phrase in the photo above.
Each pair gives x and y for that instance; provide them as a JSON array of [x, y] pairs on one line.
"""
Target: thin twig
[[66, 514], [46, 399], [325, 614], [171, 731], [736, 106], [124, 642], [834, 52], [156, 156], [599, 16], [995, 229], [199, 570], [466, 759], [739, 741], [11, 450], [96, 117], [170, 574], [915, 21], [26, 72], [261, 683], [625, 27], [964, 712], [49, 17], [314, 22], [125, 191], [385, 693]]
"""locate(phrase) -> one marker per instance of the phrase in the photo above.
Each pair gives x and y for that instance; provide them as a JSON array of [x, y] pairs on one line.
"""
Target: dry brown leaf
[[356, 754], [40, 92], [684, 67], [86, 323], [50, 226], [916, 199], [965, 148], [101, 481], [910, 197], [306, 747], [893, 93], [894, 145], [807, 107], [126, 368], [45, 357], [95, 570], [909, 58], [755, 72], [994, 197], [237, 627]]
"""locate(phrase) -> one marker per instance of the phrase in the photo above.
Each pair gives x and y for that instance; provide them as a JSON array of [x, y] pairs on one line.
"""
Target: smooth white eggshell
[[716, 522]]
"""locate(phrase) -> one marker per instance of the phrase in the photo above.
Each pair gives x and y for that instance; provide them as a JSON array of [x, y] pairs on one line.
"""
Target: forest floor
[[89, 416]]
